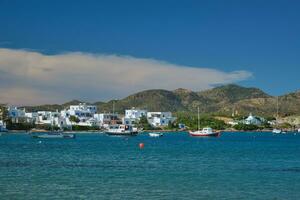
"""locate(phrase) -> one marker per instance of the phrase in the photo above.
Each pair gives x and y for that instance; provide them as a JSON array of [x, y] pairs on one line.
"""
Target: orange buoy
[[141, 145]]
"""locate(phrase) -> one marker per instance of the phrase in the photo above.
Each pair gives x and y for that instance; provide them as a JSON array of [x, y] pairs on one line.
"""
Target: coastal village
[[85, 117]]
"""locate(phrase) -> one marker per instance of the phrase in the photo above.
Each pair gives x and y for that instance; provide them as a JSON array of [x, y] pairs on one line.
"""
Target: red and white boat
[[205, 132]]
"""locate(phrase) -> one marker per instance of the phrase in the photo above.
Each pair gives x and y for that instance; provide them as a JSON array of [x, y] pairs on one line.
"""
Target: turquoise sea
[[175, 166]]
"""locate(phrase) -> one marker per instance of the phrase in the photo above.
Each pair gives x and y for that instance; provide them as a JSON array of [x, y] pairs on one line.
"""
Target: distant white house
[[105, 119], [15, 112], [157, 119], [2, 126], [133, 115], [251, 119], [83, 112], [18, 114]]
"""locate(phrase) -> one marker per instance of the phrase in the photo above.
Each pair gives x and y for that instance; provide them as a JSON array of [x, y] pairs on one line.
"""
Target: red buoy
[[141, 145]]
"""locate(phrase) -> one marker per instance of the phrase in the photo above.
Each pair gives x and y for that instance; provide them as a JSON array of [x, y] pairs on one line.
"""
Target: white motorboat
[[121, 130], [277, 131], [156, 134]]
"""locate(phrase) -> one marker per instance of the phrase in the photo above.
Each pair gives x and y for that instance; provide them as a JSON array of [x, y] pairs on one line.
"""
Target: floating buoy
[[141, 145]]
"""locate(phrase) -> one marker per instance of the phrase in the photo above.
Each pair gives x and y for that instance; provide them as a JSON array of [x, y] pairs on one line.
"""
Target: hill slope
[[220, 100]]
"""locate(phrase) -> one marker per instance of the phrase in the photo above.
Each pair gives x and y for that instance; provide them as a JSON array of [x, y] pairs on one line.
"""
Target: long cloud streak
[[28, 77]]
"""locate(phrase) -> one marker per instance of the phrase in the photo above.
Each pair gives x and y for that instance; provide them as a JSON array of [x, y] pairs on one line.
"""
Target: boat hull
[[54, 136], [122, 134], [155, 134], [214, 134]]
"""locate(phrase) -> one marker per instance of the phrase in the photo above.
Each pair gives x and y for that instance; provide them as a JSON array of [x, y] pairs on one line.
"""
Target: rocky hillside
[[220, 100]]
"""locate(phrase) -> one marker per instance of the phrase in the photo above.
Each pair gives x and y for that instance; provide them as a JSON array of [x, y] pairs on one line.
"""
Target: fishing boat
[[156, 134], [205, 132], [121, 130]]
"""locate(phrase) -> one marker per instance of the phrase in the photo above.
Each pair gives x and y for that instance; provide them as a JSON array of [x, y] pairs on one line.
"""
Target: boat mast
[[113, 107], [198, 119], [277, 112]]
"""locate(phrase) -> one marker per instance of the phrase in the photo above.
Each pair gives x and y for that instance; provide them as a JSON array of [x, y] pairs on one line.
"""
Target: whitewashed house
[[48, 118], [254, 120], [17, 115], [83, 112], [105, 119], [132, 116], [2, 126], [157, 119]]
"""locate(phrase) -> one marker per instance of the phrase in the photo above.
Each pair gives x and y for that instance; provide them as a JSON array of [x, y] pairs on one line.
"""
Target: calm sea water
[[176, 166]]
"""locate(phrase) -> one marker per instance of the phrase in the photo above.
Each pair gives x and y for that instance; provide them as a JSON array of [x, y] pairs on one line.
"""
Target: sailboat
[[205, 132]]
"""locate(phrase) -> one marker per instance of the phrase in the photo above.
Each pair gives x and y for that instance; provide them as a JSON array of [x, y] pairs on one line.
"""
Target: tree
[[245, 127], [74, 119], [143, 123]]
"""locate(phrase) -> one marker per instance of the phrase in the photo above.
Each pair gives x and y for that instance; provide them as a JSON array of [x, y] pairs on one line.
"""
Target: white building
[[133, 115], [18, 115], [15, 112], [82, 110], [84, 113], [157, 119], [254, 120], [2, 126], [105, 119]]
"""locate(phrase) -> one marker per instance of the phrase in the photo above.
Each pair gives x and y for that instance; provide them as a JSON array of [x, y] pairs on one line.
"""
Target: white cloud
[[28, 77]]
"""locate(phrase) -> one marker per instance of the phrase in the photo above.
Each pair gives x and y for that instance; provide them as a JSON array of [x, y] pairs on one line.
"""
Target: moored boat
[[41, 133], [155, 134], [54, 135], [121, 130], [277, 131], [205, 132]]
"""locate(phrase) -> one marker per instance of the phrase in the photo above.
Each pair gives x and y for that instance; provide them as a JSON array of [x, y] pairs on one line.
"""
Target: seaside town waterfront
[[84, 117]]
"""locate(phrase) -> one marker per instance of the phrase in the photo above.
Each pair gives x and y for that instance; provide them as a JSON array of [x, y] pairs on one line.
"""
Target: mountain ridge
[[222, 100]]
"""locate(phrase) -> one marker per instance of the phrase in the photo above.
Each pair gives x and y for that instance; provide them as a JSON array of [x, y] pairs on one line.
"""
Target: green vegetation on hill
[[191, 121], [223, 100]]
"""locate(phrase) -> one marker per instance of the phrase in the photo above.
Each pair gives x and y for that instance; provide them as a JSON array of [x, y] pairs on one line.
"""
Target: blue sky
[[260, 37]]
